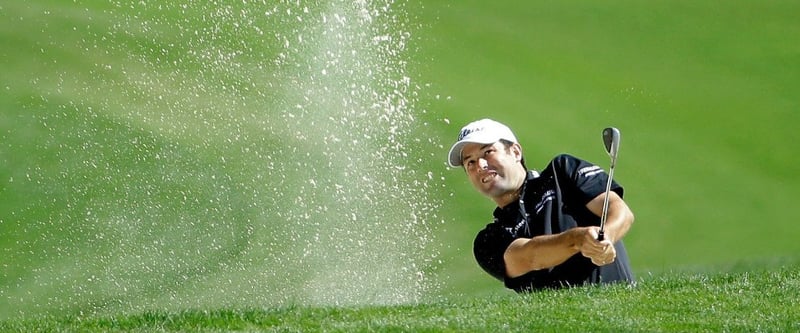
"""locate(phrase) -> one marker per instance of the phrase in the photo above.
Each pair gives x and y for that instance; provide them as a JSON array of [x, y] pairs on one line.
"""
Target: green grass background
[[705, 95]]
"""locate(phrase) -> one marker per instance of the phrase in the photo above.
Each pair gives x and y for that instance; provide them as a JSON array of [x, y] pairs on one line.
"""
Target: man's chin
[[493, 191]]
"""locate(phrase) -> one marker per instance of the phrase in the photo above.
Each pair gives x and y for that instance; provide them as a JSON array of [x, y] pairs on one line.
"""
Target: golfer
[[545, 228]]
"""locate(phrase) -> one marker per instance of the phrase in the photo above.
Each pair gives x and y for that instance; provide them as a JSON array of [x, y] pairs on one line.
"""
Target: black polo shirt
[[551, 202]]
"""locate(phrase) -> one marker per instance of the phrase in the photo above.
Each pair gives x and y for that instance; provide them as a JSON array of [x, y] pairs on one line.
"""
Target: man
[[545, 228]]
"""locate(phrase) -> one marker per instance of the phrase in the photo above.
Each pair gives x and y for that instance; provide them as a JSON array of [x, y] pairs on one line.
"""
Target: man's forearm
[[618, 221], [619, 218], [541, 252]]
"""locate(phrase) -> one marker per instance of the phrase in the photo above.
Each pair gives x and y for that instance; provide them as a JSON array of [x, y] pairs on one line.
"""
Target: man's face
[[493, 169]]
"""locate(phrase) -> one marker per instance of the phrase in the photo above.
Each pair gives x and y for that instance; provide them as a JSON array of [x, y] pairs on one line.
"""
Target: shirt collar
[[510, 211]]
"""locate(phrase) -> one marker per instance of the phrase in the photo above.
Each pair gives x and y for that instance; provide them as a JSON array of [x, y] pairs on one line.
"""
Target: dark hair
[[508, 145]]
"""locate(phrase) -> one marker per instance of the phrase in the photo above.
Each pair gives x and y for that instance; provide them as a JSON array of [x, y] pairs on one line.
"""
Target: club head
[[611, 137]]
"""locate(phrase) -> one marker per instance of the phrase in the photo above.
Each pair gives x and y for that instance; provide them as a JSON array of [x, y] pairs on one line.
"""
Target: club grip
[[601, 236]]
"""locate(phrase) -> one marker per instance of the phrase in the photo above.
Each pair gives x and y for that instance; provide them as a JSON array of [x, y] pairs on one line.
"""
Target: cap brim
[[455, 154], [455, 151]]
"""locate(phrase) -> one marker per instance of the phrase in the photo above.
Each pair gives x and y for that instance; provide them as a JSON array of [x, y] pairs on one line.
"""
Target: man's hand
[[601, 252]]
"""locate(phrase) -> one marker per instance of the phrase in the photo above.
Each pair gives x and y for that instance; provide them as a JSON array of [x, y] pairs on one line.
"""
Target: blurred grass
[[703, 92]]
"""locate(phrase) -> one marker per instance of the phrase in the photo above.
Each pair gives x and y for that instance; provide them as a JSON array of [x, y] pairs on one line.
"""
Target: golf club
[[611, 139]]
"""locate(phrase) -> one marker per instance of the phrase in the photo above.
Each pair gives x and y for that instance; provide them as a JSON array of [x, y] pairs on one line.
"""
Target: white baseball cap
[[484, 131]]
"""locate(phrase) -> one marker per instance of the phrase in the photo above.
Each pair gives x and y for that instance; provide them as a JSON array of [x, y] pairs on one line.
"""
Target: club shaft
[[605, 203]]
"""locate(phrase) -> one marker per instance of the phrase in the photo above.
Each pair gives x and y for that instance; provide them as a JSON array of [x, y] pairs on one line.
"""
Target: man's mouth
[[489, 177]]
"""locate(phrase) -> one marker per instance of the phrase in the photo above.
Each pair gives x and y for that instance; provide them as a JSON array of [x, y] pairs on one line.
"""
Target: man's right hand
[[600, 252]]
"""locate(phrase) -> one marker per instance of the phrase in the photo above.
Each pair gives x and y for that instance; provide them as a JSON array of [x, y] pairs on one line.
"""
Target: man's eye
[[487, 152]]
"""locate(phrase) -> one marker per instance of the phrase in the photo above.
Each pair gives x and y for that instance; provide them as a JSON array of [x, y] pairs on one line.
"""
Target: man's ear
[[516, 149]]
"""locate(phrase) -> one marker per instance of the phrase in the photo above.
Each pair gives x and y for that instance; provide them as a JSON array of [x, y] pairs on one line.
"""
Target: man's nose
[[482, 164]]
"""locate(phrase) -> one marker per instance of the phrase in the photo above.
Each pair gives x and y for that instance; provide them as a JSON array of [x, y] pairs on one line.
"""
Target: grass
[[755, 301]]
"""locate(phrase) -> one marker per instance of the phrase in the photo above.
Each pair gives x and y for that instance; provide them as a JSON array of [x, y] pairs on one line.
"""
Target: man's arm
[[540, 252], [618, 222], [619, 218]]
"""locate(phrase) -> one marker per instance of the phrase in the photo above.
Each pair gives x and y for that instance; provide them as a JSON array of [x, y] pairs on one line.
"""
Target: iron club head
[[611, 137]]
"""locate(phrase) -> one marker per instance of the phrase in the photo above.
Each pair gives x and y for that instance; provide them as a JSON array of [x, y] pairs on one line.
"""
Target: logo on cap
[[466, 131]]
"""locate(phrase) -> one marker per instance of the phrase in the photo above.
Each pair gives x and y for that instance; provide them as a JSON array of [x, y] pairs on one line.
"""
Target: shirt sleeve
[[489, 247], [588, 179]]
